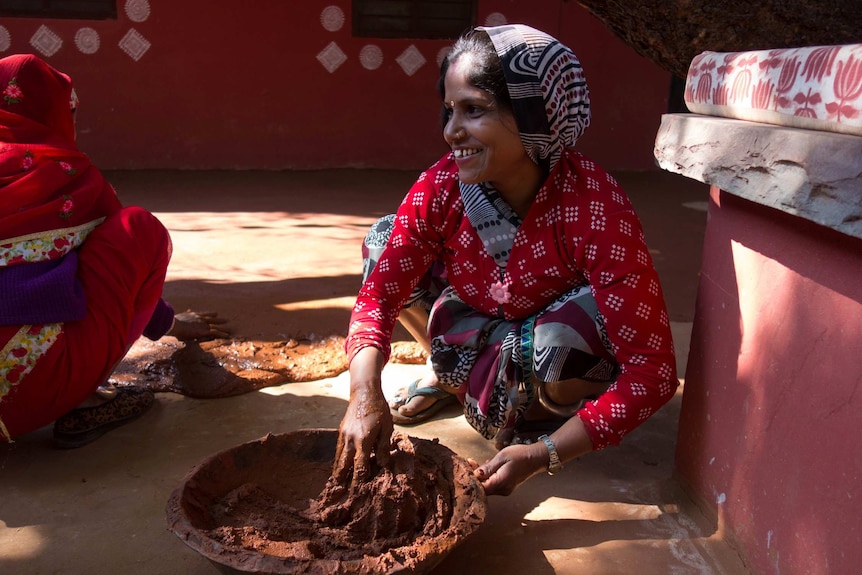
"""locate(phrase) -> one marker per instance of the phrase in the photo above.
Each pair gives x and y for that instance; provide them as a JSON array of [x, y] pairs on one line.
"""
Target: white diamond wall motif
[[134, 44], [411, 60], [331, 57], [46, 41]]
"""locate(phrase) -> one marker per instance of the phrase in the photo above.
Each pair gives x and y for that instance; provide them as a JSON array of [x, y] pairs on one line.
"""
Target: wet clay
[[408, 515], [228, 367]]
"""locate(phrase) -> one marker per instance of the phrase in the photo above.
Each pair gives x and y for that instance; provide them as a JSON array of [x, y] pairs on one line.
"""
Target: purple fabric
[[49, 292], [161, 321], [42, 292]]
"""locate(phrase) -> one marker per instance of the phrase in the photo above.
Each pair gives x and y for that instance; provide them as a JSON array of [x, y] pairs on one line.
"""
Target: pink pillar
[[770, 431], [772, 408]]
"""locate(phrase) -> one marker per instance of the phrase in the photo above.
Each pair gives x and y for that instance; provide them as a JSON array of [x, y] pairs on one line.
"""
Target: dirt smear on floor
[[228, 367]]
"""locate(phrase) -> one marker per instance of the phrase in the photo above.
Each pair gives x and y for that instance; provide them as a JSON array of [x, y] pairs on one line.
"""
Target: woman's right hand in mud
[[366, 429]]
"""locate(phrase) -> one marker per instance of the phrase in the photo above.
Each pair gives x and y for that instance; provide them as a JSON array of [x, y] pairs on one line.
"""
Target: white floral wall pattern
[[87, 40], [134, 43], [5, 39], [47, 42], [138, 10], [495, 19], [332, 55], [371, 57], [332, 18]]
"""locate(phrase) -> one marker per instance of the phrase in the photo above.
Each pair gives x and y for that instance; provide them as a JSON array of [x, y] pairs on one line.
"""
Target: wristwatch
[[554, 465]]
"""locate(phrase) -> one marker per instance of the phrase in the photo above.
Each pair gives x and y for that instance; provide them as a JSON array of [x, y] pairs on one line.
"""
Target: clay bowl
[[284, 474]]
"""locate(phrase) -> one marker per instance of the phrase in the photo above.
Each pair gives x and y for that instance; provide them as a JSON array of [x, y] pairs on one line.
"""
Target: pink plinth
[[769, 434]]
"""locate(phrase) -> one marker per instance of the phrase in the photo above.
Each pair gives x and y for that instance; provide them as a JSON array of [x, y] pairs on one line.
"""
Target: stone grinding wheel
[[251, 508]]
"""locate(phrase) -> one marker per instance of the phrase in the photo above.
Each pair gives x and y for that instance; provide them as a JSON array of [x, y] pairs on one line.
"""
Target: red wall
[[769, 428], [237, 85]]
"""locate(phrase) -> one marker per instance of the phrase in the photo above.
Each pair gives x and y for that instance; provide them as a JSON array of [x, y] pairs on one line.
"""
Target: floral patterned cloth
[[20, 354], [818, 88], [47, 245]]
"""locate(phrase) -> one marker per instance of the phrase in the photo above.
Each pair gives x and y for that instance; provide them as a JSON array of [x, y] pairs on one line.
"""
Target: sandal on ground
[[413, 390], [86, 424]]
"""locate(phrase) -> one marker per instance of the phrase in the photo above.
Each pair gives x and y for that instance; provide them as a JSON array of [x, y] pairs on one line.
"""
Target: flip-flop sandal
[[86, 424], [443, 398]]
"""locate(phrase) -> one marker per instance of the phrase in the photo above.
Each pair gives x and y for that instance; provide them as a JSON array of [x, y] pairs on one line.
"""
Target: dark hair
[[487, 71]]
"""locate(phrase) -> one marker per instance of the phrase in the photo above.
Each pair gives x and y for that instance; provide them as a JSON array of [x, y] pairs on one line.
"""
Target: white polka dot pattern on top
[[554, 249]]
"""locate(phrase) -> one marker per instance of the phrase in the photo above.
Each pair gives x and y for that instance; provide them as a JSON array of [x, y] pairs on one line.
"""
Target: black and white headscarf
[[549, 94], [551, 105]]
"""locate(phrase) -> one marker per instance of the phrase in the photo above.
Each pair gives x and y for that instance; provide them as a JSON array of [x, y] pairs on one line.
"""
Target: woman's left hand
[[510, 467], [190, 325], [515, 464]]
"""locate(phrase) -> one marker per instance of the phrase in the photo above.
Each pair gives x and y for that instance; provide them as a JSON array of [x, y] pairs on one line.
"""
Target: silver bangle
[[554, 464]]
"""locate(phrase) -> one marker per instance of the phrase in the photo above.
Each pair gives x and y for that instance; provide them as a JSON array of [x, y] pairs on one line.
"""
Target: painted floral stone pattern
[[814, 87]]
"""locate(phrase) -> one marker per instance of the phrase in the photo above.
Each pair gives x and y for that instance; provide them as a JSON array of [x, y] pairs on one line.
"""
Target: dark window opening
[[68, 9], [421, 19], [676, 98]]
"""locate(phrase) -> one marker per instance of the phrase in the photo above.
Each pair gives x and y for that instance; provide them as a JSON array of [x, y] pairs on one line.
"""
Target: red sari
[[55, 206]]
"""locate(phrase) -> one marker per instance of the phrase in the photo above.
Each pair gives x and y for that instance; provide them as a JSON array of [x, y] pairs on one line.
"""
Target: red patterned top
[[581, 227]]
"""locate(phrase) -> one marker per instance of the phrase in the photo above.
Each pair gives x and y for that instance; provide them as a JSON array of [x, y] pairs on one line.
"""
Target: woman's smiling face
[[483, 136]]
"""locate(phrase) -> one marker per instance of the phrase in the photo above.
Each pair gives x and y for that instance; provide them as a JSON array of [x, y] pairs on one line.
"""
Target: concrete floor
[[277, 253]]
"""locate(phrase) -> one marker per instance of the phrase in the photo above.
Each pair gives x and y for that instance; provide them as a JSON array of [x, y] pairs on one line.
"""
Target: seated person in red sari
[[547, 322], [81, 276]]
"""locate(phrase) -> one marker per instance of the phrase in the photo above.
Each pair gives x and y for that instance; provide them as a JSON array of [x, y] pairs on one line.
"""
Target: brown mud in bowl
[[257, 508]]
